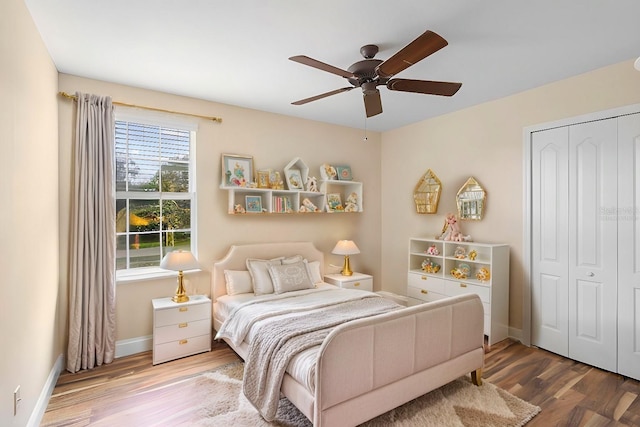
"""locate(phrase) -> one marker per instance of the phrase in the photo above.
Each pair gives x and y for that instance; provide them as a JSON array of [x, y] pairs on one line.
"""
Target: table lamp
[[179, 261], [346, 248]]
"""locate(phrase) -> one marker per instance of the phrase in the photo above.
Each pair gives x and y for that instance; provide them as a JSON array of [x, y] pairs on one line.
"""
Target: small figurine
[[312, 184], [483, 274], [460, 253], [238, 209], [433, 250], [351, 204], [473, 254], [430, 266], [307, 206], [458, 273]]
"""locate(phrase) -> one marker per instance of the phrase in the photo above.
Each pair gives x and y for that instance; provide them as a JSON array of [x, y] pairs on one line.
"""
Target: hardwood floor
[[132, 392]]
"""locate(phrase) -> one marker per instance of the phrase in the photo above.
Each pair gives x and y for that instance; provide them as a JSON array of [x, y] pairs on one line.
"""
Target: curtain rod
[[215, 119]]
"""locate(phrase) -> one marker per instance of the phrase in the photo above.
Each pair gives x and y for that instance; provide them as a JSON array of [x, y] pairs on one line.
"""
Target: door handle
[[591, 274]]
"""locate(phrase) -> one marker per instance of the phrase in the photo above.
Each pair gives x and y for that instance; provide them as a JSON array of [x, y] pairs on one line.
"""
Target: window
[[154, 191]]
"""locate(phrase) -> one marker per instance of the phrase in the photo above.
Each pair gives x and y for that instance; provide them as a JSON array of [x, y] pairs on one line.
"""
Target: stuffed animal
[[433, 250], [238, 209], [452, 230]]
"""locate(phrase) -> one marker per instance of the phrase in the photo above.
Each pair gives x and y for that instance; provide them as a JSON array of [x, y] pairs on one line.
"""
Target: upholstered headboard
[[236, 258]]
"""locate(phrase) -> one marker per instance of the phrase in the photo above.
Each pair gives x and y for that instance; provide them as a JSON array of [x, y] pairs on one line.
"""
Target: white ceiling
[[235, 52]]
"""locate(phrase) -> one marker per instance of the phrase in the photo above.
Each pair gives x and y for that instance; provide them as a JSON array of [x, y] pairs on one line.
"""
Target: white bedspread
[[287, 324], [238, 323]]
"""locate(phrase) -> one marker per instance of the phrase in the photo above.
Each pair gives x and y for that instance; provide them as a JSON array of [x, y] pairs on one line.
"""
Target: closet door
[[593, 165], [550, 247], [629, 246]]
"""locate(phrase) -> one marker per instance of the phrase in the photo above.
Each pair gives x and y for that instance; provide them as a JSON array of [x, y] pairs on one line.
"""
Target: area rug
[[458, 403]]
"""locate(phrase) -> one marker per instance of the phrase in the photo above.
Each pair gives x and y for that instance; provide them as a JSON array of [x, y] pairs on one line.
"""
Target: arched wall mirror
[[471, 200], [426, 194]]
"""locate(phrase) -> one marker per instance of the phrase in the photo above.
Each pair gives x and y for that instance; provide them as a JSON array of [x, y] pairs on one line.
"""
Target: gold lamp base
[[346, 268], [181, 294]]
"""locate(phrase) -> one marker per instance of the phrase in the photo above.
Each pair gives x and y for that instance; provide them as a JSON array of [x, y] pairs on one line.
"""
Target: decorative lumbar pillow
[[259, 270], [290, 277], [314, 272], [238, 282], [292, 259]]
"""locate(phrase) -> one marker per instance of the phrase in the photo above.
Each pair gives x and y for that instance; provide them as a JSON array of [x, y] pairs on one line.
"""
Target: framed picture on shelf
[[344, 173], [334, 202], [294, 179], [263, 178], [253, 204], [237, 170]]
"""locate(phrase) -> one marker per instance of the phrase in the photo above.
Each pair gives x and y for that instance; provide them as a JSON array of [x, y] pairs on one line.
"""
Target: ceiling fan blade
[[323, 95], [372, 102], [424, 86], [302, 59], [425, 45]]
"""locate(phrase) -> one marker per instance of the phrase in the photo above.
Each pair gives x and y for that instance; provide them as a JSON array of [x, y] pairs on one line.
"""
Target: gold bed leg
[[476, 377]]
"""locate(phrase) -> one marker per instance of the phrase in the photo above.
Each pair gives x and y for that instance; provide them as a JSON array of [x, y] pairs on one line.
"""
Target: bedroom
[[398, 158]]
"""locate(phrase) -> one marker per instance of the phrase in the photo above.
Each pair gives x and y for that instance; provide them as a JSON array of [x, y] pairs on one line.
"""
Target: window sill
[[143, 274]]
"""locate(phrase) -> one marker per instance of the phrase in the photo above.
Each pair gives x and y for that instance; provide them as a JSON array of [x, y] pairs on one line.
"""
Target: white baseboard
[[45, 394], [134, 345]]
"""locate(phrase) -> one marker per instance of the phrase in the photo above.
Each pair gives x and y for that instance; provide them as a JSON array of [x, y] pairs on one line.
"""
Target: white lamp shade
[[345, 247], [179, 261]]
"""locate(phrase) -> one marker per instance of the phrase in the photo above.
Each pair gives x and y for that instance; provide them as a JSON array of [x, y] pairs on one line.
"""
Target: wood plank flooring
[[132, 392]]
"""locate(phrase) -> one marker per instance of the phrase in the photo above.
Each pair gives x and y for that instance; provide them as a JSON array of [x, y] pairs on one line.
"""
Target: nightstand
[[356, 281], [180, 329]]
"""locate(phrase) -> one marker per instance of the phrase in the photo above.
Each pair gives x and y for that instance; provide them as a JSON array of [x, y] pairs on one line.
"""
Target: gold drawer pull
[[183, 325], [423, 277], [184, 309], [463, 285], [356, 284], [183, 342], [422, 291]]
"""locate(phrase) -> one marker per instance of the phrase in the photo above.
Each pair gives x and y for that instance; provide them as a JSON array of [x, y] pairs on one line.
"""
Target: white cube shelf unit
[[424, 286], [344, 189]]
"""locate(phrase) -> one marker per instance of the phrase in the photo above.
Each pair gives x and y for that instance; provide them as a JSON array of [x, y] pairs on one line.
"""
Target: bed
[[364, 367]]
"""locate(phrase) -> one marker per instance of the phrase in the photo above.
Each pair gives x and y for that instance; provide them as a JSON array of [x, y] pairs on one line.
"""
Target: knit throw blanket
[[278, 341]]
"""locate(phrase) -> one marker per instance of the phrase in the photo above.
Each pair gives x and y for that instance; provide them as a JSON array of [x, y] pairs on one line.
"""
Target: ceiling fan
[[370, 73]]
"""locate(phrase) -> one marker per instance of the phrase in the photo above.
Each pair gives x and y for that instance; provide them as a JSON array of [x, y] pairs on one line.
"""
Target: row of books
[[281, 204]]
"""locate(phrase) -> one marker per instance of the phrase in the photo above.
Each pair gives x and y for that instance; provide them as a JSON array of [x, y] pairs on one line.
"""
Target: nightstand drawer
[[181, 348], [180, 331], [363, 282], [182, 313]]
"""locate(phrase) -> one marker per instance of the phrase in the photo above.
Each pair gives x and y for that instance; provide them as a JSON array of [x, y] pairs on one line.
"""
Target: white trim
[[46, 392], [155, 118], [526, 241], [133, 346]]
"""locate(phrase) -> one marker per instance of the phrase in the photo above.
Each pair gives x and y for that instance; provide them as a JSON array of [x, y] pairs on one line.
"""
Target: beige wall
[[29, 321], [273, 140], [486, 142]]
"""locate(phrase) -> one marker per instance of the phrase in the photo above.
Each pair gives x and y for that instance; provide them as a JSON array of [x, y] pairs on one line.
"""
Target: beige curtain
[[92, 257]]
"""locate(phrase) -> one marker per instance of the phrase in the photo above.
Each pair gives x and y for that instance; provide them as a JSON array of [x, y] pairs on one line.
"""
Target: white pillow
[[238, 282], [259, 270], [292, 259], [314, 272], [290, 277]]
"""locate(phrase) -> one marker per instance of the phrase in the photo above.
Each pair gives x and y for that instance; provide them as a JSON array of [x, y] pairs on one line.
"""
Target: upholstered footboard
[[369, 366]]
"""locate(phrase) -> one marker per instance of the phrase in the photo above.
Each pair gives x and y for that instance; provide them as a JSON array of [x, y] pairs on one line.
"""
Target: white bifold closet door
[[574, 244], [629, 246]]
